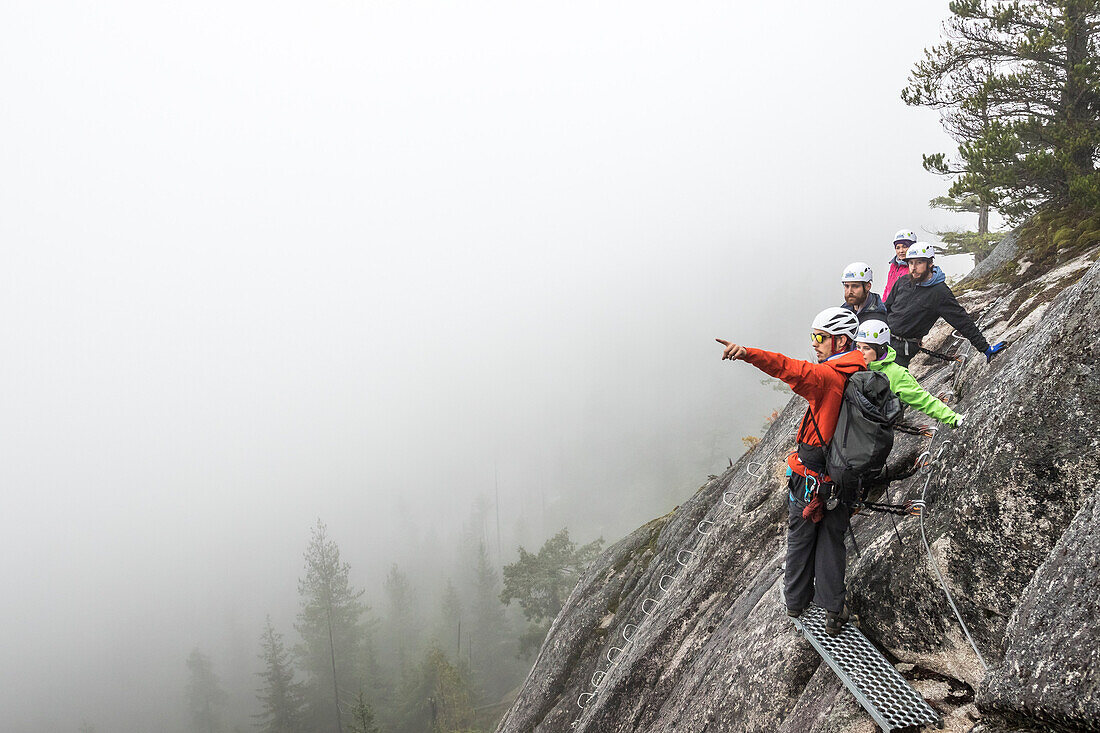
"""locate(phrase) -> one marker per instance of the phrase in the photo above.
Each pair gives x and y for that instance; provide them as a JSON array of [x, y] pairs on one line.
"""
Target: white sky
[[268, 262]]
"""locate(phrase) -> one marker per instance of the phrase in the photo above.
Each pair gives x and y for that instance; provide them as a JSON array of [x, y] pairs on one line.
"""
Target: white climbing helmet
[[873, 332], [858, 272], [920, 250], [837, 321], [905, 235]]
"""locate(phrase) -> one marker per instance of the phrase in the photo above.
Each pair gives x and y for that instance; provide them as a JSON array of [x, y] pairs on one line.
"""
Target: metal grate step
[[878, 687]]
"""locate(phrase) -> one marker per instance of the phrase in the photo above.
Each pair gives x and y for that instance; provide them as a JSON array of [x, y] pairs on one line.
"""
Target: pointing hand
[[733, 352]]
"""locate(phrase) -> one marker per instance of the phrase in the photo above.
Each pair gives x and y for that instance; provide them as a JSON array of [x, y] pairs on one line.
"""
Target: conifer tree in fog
[[281, 697], [402, 620], [205, 696], [330, 622], [489, 637], [362, 719], [448, 626], [439, 697], [542, 582]]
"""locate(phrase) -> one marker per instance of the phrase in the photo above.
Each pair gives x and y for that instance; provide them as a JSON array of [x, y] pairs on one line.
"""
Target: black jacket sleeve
[[954, 314]]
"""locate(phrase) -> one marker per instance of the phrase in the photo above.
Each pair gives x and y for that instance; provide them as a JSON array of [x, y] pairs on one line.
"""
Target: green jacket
[[908, 391]]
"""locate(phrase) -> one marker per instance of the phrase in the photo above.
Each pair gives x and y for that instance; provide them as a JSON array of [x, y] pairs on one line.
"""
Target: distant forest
[[419, 660]]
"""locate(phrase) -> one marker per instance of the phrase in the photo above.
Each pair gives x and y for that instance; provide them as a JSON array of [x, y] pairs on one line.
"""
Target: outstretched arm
[[806, 379], [911, 393], [954, 314]]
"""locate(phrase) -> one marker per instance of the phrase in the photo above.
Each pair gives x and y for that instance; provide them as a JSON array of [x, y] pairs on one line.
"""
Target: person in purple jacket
[[902, 241]]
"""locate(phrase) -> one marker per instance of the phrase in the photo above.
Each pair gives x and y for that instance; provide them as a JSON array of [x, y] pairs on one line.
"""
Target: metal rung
[[877, 686]]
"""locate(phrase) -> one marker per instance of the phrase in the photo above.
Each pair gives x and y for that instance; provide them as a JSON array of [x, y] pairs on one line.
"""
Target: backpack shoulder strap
[[810, 412]]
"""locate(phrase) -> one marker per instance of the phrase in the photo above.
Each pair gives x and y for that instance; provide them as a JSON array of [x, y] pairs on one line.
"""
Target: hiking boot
[[834, 622], [795, 612]]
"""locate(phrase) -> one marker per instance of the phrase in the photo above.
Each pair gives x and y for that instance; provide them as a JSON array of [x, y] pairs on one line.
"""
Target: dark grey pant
[[816, 557]]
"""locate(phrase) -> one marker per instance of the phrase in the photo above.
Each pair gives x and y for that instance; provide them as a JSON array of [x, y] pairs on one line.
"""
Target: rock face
[[1055, 623], [680, 626]]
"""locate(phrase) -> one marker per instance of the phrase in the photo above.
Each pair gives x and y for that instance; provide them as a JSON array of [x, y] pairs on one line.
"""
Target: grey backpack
[[864, 434]]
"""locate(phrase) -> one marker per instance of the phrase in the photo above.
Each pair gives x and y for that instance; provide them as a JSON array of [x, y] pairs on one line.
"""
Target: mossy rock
[[1062, 236], [1053, 236], [1088, 239]]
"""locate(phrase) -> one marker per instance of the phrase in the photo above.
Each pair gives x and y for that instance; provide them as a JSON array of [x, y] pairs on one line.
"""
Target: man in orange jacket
[[816, 523]]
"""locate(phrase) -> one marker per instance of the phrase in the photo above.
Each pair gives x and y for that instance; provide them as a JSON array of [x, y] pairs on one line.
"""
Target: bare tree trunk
[[1074, 99], [332, 656], [335, 686], [983, 219]]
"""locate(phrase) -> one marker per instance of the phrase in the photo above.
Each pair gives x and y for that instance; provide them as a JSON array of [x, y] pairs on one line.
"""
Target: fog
[[269, 263]]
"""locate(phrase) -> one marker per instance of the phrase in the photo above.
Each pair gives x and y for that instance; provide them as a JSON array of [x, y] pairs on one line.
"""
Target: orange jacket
[[821, 384]]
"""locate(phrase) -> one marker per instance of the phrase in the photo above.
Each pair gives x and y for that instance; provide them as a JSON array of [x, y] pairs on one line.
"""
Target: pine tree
[[439, 698], [1019, 81], [976, 243], [967, 115], [334, 637], [489, 632], [281, 697], [205, 696], [362, 719], [448, 626], [541, 582], [402, 619]]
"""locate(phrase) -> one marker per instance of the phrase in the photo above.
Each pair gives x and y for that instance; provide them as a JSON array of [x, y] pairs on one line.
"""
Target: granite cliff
[[688, 606]]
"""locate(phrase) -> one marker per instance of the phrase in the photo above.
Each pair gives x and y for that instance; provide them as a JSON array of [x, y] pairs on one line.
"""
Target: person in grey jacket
[[921, 298]]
